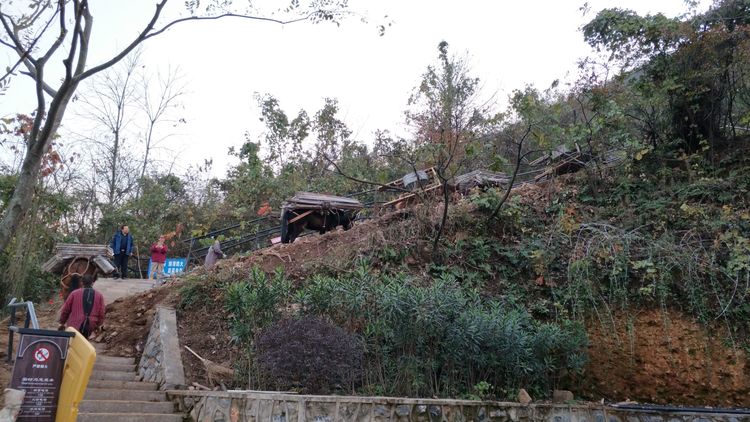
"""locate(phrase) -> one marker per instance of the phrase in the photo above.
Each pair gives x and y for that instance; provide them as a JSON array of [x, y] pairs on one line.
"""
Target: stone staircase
[[116, 394]]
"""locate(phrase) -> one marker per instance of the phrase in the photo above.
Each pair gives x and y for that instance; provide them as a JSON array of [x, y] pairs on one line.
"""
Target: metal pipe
[[667, 408]]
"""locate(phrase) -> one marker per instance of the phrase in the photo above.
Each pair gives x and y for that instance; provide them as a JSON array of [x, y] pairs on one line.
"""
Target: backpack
[[88, 305]]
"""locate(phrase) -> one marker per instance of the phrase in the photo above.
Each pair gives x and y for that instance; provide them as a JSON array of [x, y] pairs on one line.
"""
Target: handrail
[[30, 321]]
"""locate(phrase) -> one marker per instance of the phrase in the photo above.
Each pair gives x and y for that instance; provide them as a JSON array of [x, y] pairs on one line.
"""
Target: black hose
[[668, 408]]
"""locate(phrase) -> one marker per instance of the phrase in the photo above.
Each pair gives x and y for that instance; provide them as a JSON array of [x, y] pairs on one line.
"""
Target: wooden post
[[138, 259]]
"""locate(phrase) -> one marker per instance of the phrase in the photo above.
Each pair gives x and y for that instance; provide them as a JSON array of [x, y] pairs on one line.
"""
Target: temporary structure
[[64, 253], [321, 202], [481, 179]]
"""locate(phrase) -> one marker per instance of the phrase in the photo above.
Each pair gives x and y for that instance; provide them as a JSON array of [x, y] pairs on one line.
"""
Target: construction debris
[[561, 161], [64, 253], [422, 179], [322, 202], [482, 179]]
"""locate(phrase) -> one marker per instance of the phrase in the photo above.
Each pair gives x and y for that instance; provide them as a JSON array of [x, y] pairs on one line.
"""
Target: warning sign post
[[38, 370]]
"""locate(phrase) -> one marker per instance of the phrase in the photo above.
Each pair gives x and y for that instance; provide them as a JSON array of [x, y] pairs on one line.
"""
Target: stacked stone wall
[[236, 406], [161, 362]]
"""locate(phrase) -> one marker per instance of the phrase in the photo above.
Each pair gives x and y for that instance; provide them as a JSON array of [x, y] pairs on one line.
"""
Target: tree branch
[[519, 157], [109, 63], [60, 38], [25, 54], [77, 32], [228, 15], [146, 33], [367, 182]]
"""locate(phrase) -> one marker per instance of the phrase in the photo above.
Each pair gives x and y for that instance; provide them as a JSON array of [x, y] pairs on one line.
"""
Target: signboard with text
[[38, 370], [171, 267]]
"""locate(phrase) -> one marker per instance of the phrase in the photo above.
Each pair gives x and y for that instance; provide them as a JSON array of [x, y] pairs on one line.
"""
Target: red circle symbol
[[41, 354]]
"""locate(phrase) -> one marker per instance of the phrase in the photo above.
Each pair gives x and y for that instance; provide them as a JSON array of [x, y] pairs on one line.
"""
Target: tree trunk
[[29, 176]]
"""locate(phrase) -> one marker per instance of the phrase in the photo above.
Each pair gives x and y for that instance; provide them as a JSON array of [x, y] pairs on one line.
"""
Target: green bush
[[255, 303], [444, 339]]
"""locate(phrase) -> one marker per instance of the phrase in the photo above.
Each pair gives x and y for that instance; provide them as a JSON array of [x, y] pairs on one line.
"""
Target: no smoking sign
[[41, 354]]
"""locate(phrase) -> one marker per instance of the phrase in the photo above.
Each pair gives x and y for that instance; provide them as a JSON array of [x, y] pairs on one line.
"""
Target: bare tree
[[109, 100], [72, 21], [156, 106]]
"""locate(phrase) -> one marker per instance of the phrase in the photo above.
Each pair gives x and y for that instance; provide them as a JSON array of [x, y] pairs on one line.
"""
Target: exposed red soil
[[206, 332], [129, 319], [665, 358]]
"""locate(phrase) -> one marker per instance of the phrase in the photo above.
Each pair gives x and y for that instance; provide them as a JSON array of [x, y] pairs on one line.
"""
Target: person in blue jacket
[[122, 247]]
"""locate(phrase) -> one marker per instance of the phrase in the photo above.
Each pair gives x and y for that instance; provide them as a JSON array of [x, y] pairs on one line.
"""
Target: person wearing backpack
[[84, 308]]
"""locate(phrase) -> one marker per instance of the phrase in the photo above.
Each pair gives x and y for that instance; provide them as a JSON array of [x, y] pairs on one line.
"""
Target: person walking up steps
[[122, 247], [84, 308], [158, 258]]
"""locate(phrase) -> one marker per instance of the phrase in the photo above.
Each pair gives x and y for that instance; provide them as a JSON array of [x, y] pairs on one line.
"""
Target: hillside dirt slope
[[665, 357], [653, 357]]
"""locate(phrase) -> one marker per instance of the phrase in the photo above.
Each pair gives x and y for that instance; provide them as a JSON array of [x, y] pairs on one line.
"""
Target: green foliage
[[255, 303], [196, 293], [20, 261], [683, 76], [442, 339]]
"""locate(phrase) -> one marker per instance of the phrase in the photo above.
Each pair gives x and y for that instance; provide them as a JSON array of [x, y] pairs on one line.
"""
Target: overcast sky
[[508, 44]]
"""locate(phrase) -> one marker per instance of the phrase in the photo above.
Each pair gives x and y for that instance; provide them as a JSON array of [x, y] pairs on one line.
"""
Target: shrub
[[309, 354], [255, 303]]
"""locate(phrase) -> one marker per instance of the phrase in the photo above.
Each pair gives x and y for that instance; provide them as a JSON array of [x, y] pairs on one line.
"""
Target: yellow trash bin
[[78, 367]]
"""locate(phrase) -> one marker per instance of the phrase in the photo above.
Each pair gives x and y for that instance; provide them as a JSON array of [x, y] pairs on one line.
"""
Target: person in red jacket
[[158, 258], [84, 308]]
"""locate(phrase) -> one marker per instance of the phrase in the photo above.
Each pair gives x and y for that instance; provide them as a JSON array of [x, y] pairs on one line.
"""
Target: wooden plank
[[399, 183], [301, 216], [76, 249], [103, 263], [317, 201], [55, 263], [411, 195]]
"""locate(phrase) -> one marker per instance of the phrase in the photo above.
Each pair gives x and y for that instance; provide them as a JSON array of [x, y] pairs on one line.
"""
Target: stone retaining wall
[[231, 406], [161, 361]]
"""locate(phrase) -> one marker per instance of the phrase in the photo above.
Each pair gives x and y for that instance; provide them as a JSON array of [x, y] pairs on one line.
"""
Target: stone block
[[403, 410], [498, 414], [562, 396], [381, 411], [524, 397]]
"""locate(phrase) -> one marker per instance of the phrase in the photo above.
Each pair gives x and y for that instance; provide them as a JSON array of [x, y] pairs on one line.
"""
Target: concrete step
[[118, 394], [114, 376], [115, 360], [122, 406], [118, 367], [127, 417], [123, 385]]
